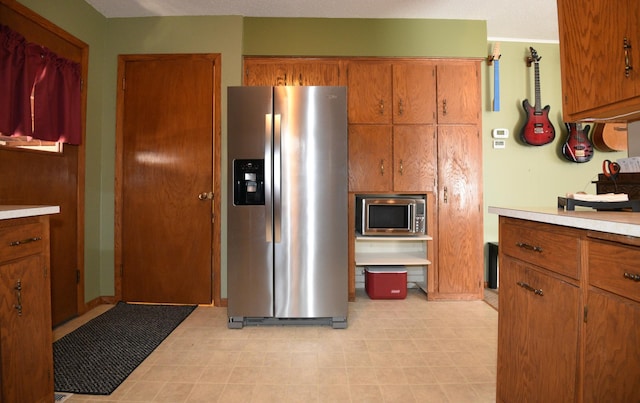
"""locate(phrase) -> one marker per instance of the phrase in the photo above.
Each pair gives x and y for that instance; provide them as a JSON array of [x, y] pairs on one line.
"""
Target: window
[[30, 143]]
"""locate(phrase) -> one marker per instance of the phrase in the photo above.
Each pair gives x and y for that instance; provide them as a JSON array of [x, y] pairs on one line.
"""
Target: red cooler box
[[385, 282]]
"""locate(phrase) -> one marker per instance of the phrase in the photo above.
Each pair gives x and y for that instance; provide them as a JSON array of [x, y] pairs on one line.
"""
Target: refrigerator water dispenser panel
[[248, 176]]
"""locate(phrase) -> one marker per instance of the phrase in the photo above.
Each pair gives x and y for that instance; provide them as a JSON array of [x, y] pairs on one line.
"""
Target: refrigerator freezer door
[[249, 251], [310, 206]]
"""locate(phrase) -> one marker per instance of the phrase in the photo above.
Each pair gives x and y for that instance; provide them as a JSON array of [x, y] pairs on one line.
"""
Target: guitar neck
[[538, 106]]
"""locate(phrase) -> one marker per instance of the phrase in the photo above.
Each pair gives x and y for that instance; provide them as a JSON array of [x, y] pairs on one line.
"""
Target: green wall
[[515, 176], [522, 175], [364, 37]]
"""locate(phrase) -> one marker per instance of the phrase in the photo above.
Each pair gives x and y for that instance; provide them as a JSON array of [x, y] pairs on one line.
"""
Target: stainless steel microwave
[[392, 215]]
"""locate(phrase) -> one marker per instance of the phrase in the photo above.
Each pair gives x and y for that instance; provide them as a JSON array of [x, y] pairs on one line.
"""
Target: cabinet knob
[[205, 196], [381, 106]]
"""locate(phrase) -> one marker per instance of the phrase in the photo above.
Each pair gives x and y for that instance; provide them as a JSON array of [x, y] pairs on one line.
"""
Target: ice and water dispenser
[[248, 176]]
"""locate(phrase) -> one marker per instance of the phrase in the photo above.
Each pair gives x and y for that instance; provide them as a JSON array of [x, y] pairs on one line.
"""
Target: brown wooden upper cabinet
[[394, 107], [294, 71], [391, 92], [385, 158], [458, 93], [600, 59]]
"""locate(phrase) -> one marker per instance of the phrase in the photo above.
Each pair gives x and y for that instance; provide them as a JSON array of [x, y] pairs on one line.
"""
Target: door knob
[[205, 196]]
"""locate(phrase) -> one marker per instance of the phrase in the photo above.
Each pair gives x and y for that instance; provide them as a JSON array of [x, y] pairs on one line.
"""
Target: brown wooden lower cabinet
[[538, 343], [26, 346], [567, 335]]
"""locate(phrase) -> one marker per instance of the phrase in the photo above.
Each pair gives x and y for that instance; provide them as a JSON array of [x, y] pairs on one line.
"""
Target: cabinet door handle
[[529, 247], [18, 304], [24, 241], [626, 45], [632, 276], [381, 106], [444, 107], [445, 195], [401, 167], [400, 107], [381, 167], [527, 287]]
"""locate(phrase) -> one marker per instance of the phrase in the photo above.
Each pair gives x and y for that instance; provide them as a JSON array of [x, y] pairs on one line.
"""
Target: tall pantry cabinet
[[460, 269], [414, 128]]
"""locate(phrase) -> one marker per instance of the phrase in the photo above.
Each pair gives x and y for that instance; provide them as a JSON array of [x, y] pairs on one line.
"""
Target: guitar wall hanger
[[492, 58], [530, 60]]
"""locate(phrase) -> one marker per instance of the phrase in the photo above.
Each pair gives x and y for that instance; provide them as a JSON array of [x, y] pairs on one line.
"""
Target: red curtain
[[14, 92], [55, 84]]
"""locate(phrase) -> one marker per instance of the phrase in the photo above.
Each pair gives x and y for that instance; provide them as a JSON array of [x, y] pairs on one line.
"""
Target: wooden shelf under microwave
[[391, 259], [383, 238]]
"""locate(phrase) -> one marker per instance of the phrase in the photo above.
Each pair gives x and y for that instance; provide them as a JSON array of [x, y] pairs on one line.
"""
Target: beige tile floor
[[393, 351]]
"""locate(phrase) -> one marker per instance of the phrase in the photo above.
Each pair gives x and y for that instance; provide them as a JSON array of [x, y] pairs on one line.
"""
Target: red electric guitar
[[577, 147], [538, 129]]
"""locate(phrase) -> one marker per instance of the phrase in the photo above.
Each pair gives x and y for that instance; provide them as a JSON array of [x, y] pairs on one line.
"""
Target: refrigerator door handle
[[268, 176], [277, 177]]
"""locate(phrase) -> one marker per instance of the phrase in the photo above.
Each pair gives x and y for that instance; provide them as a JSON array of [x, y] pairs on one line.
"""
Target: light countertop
[[8, 212], [615, 222]]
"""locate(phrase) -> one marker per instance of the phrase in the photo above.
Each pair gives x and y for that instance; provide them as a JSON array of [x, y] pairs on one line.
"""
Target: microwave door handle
[[412, 222]]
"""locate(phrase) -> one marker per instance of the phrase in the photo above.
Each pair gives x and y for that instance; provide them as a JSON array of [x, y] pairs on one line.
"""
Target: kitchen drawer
[[21, 240], [547, 246], [615, 268]]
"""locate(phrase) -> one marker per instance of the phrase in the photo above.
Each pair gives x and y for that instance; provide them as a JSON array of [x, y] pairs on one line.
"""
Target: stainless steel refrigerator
[[287, 206]]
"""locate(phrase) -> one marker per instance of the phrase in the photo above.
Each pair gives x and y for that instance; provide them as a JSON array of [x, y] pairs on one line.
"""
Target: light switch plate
[[499, 144]]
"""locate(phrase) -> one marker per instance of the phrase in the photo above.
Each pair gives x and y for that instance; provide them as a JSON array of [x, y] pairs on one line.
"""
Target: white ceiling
[[518, 20]]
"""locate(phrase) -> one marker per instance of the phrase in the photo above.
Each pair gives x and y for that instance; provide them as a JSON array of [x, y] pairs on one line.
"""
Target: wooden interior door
[[167, 178]]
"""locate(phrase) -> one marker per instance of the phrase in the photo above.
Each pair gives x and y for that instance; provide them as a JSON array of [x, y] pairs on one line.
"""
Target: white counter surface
[[8, 212], [615, 222]]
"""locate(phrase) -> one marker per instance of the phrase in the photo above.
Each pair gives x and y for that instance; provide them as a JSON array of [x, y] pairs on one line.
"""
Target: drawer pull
[[527, 287], [28, 240], [529, 247], [632, 276], [18, 289]]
